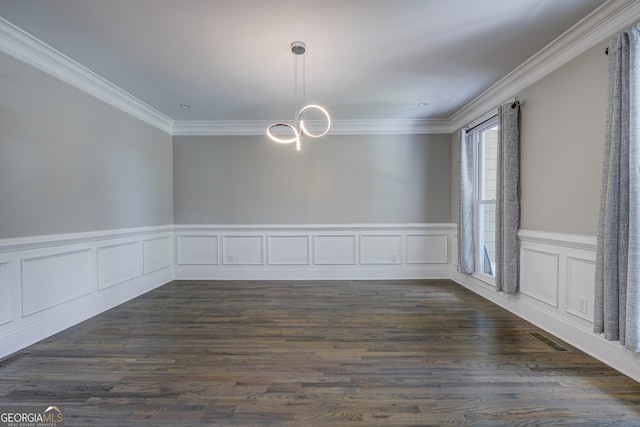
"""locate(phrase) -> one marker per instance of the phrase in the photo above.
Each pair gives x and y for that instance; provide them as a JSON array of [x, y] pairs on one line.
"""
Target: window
[[485, 143]]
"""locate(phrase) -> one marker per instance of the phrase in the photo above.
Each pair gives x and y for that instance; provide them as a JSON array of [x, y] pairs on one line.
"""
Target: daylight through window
[[485, 139]]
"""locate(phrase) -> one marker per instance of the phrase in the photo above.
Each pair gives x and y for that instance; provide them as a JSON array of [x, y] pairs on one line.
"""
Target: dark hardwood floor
[[343, 353]]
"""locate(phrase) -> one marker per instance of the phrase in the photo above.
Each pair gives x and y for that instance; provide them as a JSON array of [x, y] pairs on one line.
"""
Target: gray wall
[[562, 132], [333, 180], [71, 163], [562, 137]]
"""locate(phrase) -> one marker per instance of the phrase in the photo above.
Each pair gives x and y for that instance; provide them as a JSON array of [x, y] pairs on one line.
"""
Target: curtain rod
[[513, 105], [480, 124]]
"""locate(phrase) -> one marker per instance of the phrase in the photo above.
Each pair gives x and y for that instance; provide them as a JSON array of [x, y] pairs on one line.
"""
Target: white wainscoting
[[350, 251], [427, 248], [539, 275], [47, 282], [197, 250], [381, 249], [556, 272], [557, 287], [289, 249], [119, 263], [243, 249], [50, 283], [158, 253], [335, 249]]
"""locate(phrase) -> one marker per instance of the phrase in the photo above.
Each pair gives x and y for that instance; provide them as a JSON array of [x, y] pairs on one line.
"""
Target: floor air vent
[[554, 345]]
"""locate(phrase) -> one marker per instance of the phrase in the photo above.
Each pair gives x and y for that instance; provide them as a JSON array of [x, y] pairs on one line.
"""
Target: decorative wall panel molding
[[340, 251], [381, 249], [453, 251], [157, 253], [289, 249], [119, 263], [50, 283], [581, 286], [198, 250], [427, 249], [6, 313], [553, 271], [539, 272], [55, 279], [243, 249]]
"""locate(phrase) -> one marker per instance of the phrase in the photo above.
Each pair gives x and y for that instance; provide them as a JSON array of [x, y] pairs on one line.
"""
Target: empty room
[[319, 213]]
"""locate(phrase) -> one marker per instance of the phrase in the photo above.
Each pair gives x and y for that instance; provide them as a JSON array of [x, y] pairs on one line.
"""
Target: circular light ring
[[326, 114], [282, 140]]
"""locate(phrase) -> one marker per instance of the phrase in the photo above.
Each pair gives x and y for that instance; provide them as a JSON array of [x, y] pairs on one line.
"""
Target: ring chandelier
[[299, 129]]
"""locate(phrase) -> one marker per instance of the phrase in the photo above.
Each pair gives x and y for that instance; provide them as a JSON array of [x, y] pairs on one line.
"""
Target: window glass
[[485, 139]]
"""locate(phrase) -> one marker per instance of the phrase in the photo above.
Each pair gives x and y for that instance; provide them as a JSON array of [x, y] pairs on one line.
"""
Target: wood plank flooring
[[325, 353]]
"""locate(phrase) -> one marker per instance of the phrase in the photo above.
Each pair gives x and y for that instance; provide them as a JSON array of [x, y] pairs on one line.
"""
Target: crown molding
[[338, 127], [28, 49], [612, 16], [598, 26], [391, 126], [220, 127]]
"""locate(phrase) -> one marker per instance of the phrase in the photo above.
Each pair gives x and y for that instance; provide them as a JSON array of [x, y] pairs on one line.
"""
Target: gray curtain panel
[[617, 281], [466, 245], [508, 199]]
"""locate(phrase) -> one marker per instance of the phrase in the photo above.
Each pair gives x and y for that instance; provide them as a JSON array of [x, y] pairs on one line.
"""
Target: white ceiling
[[365, 60]]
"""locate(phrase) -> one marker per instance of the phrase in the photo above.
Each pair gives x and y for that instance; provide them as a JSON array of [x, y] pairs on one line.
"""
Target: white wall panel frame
[[289, 249], [335, 249], [243, 249], [157, 254], [198, 249], [52, 280], [6, 311], [119, 263], [539, 275], [580, 287], [427, 248], [381, 249], [453, 249]]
